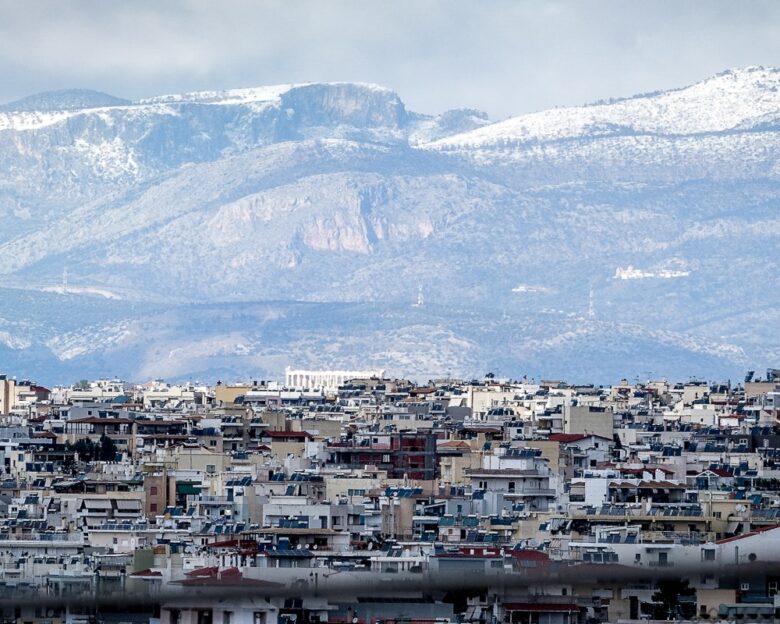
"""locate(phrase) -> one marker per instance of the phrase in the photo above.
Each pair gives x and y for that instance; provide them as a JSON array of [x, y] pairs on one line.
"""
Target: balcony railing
[[521, 492]]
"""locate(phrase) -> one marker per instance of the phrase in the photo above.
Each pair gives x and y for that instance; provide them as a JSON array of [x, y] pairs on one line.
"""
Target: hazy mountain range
[[230, 233]]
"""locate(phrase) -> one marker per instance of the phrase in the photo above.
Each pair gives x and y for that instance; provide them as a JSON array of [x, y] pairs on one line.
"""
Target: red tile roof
[[94, 420], [213, 577], [569, 437], [147, 573], [726, 540]]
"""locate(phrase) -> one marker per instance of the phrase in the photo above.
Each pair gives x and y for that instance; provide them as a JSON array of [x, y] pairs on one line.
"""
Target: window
[[153, 490], [153, 507], [259, 618], [745, 586], [708, 554], [211, 468], [227, 617], [511, 486]]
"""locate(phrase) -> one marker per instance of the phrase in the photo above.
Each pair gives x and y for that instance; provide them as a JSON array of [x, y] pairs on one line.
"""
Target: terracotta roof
[[726, 540], [455, 444], [94, 420], [649, 484], [213, 577], [202, 572], [639, 471], [721, 472]]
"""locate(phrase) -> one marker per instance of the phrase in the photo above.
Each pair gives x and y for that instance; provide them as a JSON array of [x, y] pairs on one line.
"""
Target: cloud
[[503, 56]]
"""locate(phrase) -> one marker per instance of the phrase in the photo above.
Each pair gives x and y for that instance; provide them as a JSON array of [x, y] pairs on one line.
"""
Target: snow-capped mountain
[[733, 100], [235, 232]]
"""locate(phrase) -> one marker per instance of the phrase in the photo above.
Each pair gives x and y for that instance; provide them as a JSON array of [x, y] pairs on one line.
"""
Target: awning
[[97, 503], [129, 504]]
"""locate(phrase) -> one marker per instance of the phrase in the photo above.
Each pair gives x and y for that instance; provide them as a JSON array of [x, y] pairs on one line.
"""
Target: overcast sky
[[502, 57]]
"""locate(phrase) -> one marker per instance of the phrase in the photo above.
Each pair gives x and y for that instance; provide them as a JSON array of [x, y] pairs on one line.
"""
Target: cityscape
[[389, 312], [353, 496]]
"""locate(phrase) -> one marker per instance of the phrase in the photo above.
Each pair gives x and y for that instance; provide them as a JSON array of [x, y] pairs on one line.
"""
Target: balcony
[[213, 500], [530, 492], [677, 537]]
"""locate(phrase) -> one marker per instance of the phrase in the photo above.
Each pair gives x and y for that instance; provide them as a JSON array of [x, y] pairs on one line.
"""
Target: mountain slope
[[612, 239], [733, 100]]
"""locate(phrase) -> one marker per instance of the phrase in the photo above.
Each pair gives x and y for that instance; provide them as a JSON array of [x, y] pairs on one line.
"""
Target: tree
[[69, 464], [107, 449], [85, 449], [668, 603]]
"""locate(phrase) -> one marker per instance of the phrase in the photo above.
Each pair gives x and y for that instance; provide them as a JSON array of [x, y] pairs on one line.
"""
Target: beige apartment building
[[7, 394]]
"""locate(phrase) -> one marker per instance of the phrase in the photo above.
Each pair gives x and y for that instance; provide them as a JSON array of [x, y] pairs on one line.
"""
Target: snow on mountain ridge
[[255, 99], [729, 100], [267, 93]]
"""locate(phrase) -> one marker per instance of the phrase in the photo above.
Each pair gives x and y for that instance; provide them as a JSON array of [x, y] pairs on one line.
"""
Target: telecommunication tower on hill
[[420, 299], [591, 305]]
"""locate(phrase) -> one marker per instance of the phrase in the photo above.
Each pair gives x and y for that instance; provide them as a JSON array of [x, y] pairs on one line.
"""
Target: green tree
[[69, 463], [85, 449], [107, 449], [669, 606]]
